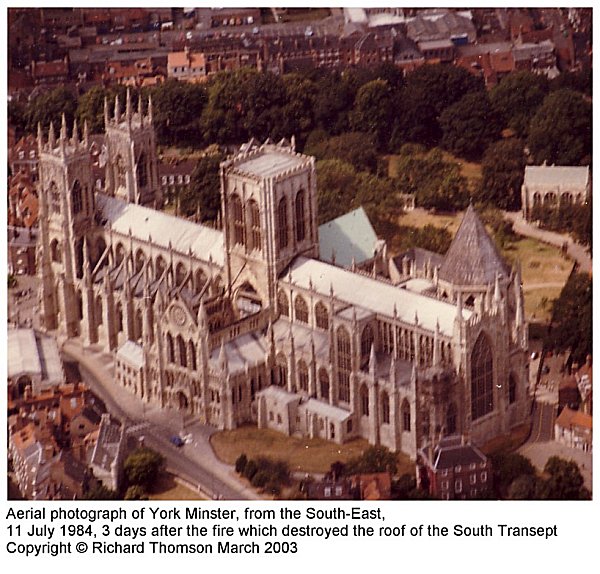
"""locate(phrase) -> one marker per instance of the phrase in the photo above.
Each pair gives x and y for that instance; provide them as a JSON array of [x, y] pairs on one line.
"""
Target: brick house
[[454, 470]]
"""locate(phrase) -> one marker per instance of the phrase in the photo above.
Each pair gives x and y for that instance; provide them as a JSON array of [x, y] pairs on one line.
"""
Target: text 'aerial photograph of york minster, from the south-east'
[[299, 253]]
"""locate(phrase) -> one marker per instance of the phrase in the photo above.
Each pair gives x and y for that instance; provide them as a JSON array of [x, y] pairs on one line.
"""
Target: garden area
[[302, 454]]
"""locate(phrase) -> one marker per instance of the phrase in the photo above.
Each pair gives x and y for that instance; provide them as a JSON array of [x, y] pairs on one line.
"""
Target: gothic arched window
[[140, 258], [254, 216], [142, 171], [77, 198], [364, 400], [385, 407], [282, 372], [283, 304], [405, 410], [482, 378], [324, 383], [321, 316], [182, 351], [138, 325], [303, 376], [301, 309], [451, 419], [121, 173], [237, 213], [282, 224], [180, 274], [192, 355], [366, 342], [512, 389], [54, 199], [161, 265], [170, 349], [119, 318], [55, 252], [300, 223], [344, 350]]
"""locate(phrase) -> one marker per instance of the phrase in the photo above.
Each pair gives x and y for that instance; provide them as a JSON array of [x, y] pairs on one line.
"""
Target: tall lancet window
[[300, 223], [482, 378], [282, 224]]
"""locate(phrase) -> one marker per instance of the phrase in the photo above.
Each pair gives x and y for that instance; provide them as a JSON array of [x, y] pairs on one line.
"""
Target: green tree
[[243, 104], [338, 185], [469, 126], [561, 130], [333, 102], [177, 108], [240, 463], [49, 107], [435, 182], [142, 466], [416, 121], [373, 459], [441, 85], [136, 492], [90, 106], [516, 99], [373, 111], [429, 90], [356, 148], [508, 467], [524, 487], [502, 167], [100, 492], [572, 318], [17, 116], [203, 195], [565, 481], [578, 81], [297, 113]]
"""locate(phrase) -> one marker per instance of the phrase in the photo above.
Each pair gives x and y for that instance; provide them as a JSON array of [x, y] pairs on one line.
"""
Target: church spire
[[128, 111], [117, 109], [105, 112], [75, 135], [51, 137]]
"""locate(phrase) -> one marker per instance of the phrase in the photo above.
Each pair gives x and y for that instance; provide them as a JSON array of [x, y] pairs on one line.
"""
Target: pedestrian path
[[575, 251]]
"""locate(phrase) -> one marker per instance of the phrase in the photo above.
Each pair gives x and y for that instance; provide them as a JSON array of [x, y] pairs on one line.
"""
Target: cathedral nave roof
[[377, 296], [204, 242]]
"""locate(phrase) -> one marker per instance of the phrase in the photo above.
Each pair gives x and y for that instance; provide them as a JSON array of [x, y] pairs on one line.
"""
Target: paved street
[[541, 444], [195, 461]]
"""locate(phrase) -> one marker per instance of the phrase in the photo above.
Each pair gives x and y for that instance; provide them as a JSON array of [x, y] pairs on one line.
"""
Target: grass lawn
[[540, 262], [421, 217], [538, 303], [302, 454], [471, 171], [167, 488]]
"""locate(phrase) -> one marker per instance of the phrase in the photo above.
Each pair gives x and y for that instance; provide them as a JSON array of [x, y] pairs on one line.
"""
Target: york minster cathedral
[[249, 324]]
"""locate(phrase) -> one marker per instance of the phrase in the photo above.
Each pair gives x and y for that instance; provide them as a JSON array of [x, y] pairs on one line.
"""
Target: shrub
[[240, 463], [250, 470], [260, 478]]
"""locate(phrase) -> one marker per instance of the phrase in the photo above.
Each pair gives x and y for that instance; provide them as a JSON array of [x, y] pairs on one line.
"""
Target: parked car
[[177, 441]]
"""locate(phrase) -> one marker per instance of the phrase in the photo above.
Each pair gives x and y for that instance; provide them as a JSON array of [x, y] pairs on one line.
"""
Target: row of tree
[[515, 478], [434, 105]]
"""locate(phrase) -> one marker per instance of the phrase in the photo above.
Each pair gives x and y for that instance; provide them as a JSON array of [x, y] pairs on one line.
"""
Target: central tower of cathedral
[[269, 208]]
